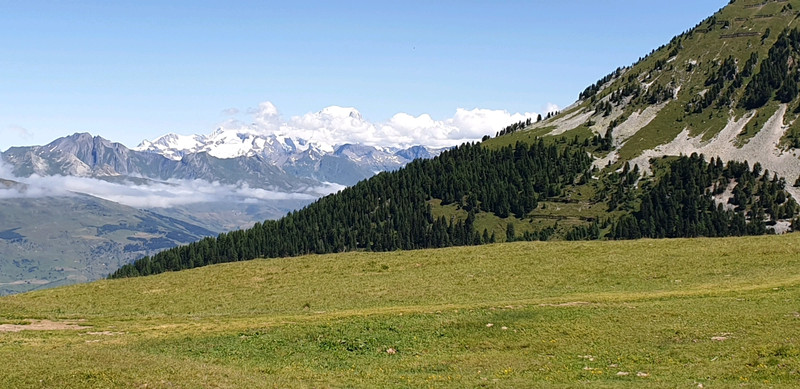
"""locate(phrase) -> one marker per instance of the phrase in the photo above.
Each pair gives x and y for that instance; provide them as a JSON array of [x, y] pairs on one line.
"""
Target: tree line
[[392, 210]]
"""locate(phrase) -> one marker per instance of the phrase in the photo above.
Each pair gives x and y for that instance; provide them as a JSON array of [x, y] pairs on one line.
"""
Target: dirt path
[[41, 325]]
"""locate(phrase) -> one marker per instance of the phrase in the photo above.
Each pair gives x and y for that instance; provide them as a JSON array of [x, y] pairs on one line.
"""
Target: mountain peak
[[81, 140]]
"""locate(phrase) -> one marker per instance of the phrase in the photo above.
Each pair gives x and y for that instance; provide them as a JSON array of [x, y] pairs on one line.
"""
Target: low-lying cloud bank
[[150, 194]]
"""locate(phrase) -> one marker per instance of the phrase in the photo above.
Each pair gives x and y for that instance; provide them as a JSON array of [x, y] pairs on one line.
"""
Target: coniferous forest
[[391, 210], [682, 203], [686, 197]]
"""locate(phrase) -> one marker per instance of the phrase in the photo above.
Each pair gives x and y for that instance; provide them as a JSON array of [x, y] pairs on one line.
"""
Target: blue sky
[[130, 70]]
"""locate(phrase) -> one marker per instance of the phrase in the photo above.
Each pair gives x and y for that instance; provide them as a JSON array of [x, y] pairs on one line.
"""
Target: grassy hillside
[[54, 241], [647, 313], [700, 81]]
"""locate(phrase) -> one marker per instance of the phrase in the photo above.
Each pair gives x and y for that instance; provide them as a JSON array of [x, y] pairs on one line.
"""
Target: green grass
[[492, 223], [563, 314], [525, 136], [581, 132]]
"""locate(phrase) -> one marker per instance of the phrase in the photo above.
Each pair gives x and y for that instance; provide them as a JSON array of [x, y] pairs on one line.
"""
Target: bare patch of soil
[[42, 325], [569, 304]]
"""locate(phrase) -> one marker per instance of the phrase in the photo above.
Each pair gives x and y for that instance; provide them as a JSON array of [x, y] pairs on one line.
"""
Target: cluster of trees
[[543, 234], [793, 138], [392, 210], [517, 126], [658, 93], [659, 64], [750, 65], [592, 90], [605, 142], [604, 107], [552, 114], [619, 188], [682, 202], [775, 77], [507, 181], [585, 232], [725, 74], [631, 89]]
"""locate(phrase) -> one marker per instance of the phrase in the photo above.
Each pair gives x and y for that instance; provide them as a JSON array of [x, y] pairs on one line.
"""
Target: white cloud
[[552, 108], [24, 191], [478, 122], [336, 125], [267, 117], [332, 126]]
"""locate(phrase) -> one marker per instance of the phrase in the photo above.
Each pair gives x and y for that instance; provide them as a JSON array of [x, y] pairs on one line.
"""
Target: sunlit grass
[[680, 312]]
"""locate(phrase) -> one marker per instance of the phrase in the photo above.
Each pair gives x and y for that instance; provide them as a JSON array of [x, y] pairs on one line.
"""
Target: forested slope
[[685, 197], [391, 210]]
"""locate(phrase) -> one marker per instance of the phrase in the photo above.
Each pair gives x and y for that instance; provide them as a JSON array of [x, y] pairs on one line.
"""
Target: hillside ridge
[[726, 88]]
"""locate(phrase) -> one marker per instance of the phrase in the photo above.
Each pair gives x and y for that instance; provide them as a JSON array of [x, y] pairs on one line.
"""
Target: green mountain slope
[[393, 210], [558, 314], [727, 88], [51, 241]]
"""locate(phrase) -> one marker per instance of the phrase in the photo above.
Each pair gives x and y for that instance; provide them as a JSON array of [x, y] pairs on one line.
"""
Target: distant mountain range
[[55, 233], [262, 161]]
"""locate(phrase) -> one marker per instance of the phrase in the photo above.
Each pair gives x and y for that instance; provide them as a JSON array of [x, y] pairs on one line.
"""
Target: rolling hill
[[646, 313], [391, 304]]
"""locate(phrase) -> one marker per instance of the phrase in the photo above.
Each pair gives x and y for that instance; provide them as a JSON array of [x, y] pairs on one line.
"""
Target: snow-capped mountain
[[226, 144], [266, 137], [330, 133], [281, 150], [173, 146], [230, 156]]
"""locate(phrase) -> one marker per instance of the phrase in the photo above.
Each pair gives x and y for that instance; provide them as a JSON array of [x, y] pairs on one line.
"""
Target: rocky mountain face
[[727, 88], [262, 161]]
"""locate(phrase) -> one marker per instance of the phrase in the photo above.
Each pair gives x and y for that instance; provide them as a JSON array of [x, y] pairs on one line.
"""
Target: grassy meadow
[[650, 313]]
